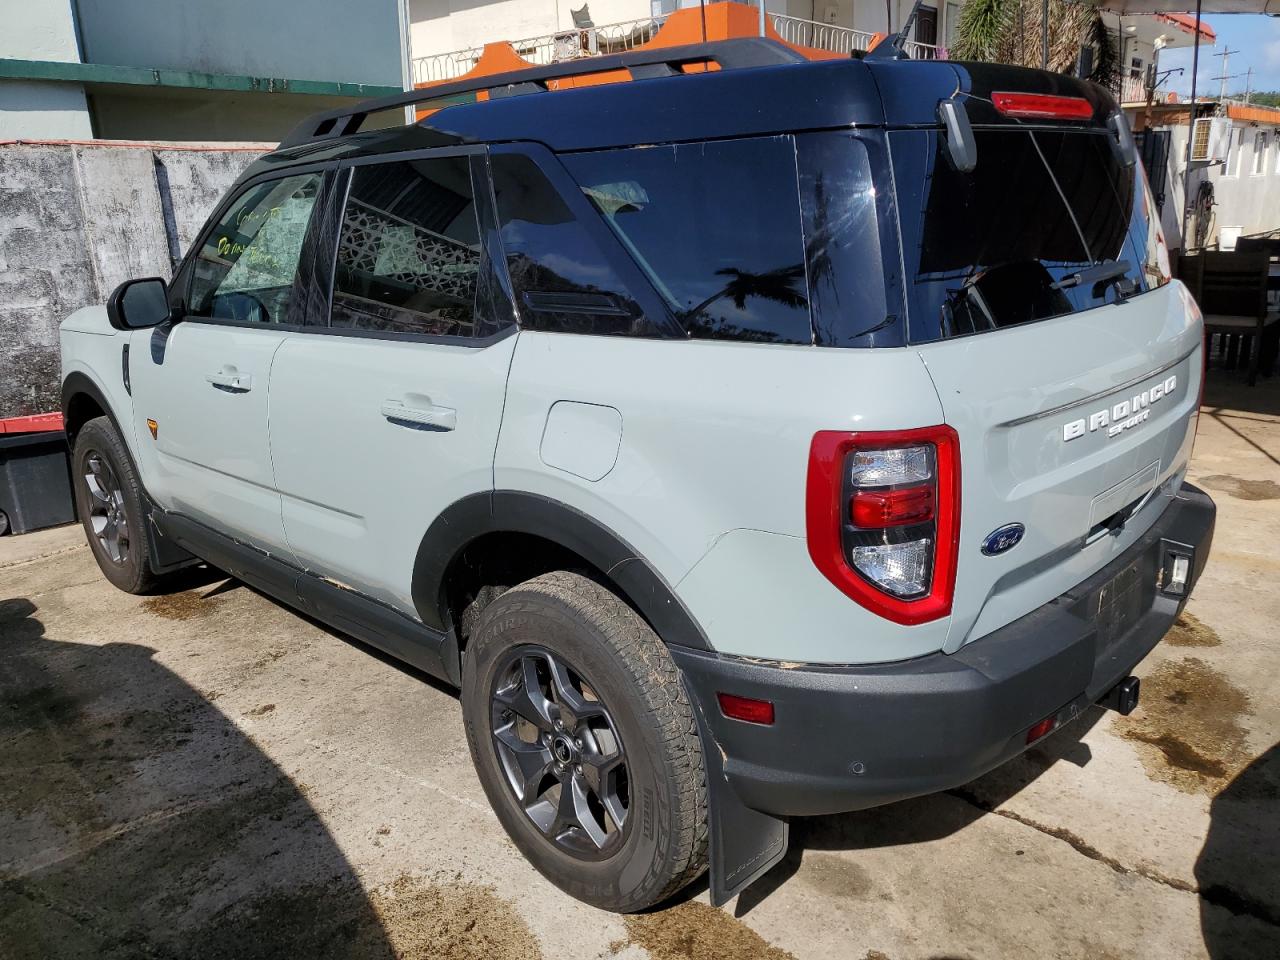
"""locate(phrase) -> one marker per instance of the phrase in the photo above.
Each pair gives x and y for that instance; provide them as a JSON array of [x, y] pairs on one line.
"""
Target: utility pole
[[1226, 58], [1248, 84], [1183, 245]]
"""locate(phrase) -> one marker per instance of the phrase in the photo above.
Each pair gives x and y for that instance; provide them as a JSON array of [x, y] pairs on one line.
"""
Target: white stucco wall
[[43, 111], [443, 26], [1246, 200], [40, 30], [1243, 198], [357, 41]]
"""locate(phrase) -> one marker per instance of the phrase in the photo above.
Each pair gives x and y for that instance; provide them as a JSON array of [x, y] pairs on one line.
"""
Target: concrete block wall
[[76, 219]]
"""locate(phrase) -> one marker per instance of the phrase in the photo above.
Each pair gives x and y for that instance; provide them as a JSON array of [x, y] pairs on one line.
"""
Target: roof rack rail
[[643, 64]]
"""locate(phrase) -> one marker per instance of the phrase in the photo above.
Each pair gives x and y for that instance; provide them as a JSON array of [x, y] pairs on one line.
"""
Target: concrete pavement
[[206, 773]]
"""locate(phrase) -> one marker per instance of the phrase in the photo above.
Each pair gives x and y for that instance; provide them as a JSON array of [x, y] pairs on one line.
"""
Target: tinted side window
[[716, 228], [409, 252], [854, 289], [248, 264], [562, 280]]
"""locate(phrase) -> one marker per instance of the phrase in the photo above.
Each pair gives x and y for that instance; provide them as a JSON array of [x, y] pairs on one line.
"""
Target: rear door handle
[[431, 416], [230, 380]]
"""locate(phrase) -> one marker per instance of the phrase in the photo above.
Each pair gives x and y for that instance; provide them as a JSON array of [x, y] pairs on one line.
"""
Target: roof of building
[[1187, 23], [1253, 113]]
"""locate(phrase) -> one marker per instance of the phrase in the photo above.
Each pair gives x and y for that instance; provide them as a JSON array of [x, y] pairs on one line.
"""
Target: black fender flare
[[514, 511], [76, 383], [163, 554]]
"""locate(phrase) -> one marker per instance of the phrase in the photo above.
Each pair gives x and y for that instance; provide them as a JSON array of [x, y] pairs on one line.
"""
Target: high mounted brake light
[[882, 515], [1042, 106]]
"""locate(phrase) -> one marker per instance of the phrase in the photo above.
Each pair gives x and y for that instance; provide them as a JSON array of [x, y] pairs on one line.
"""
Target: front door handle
[[230, 380], [429, 415]]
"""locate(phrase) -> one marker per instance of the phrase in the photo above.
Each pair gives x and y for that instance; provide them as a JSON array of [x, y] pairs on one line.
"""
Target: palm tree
[[777, 286], [1008, 31]]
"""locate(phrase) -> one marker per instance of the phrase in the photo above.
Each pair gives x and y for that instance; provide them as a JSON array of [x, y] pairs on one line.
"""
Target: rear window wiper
[[1101, 275]]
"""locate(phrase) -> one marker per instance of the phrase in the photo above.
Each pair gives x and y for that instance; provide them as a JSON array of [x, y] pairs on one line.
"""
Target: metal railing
[[823, 36], [1134, 90], [546, 49], [620, 37], [924, 51]]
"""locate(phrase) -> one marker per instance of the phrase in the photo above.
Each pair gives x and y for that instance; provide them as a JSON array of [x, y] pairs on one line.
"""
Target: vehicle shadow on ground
[[1238, 870], [923, 819], [137, 819]]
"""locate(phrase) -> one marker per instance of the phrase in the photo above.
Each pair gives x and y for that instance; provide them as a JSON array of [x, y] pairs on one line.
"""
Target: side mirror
[[138, 304]]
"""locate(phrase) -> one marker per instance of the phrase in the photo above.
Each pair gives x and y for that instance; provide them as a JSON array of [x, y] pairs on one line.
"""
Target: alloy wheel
[[560, 750], [107, 515]]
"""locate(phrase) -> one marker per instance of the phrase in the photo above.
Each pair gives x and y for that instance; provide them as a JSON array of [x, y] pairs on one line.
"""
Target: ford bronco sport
[[777, 439]]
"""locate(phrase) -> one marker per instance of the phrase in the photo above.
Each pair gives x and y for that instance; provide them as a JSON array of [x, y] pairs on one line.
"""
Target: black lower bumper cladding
[[850, 737]]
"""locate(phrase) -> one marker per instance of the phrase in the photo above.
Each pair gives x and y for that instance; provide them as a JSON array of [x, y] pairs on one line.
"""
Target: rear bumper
[[850, 737]]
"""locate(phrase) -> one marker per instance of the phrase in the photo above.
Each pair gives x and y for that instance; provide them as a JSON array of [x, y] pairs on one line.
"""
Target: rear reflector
[[1041, 729], [1043, 106], [745, 708]]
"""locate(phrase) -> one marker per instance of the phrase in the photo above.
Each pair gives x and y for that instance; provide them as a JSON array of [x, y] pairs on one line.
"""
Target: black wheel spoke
[[574, 813], [525, 698], [568, 696], [596, 770], [527, 764]]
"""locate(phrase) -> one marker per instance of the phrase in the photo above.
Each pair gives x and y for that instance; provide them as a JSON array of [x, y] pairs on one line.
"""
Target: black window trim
[[186, 269]]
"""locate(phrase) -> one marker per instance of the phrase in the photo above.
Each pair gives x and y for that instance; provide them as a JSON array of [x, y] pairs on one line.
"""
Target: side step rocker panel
[[368, 620]]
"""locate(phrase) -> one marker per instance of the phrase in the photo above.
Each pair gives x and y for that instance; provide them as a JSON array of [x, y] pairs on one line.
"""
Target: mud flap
[[743, 844]]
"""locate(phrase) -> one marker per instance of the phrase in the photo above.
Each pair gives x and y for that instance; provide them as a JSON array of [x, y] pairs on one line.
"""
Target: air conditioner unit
[[1210, 138]]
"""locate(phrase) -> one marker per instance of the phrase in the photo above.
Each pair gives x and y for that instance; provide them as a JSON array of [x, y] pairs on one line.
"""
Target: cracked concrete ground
[[206, 774]]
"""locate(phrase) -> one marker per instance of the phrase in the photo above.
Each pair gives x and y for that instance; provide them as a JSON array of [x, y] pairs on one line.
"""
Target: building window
[[953, 22], [1261, 141], [409, 257], [1235, 146]]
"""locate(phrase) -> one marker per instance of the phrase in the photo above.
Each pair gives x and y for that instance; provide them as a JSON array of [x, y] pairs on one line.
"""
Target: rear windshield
[[1050, 222]]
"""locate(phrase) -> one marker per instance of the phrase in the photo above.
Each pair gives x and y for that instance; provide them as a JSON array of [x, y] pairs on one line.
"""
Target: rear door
[[203, 381], [1069, 365], [387, 411]]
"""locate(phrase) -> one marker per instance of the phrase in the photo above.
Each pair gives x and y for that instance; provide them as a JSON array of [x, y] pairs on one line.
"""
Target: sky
[[1257, 38]]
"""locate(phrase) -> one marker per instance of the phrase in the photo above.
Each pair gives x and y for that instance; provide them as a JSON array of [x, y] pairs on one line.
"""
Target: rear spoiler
[[996, 95], [642, 64]]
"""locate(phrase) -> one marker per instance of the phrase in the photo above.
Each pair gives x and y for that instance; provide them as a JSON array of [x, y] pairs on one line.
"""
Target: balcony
[[619, 37], [1133, 90]]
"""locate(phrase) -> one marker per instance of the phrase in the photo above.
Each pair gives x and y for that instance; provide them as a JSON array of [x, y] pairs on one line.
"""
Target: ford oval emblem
[[1002, 539]]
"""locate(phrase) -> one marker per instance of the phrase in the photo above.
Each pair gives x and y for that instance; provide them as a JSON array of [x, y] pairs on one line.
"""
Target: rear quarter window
[[715, 227]]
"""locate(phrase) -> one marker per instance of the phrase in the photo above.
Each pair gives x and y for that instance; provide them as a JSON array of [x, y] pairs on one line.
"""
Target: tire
[[109, 498], [631, 707]]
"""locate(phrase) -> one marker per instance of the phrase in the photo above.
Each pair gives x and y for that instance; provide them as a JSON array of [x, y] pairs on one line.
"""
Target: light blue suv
[[739, 452]]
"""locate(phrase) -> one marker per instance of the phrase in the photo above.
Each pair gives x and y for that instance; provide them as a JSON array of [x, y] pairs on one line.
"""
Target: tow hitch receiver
[[1123, 697]]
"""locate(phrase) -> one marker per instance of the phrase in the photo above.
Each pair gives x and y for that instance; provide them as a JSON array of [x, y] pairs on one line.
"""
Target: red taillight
[[1042, 106], [892, 508], [882, 516], [747, 709]]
